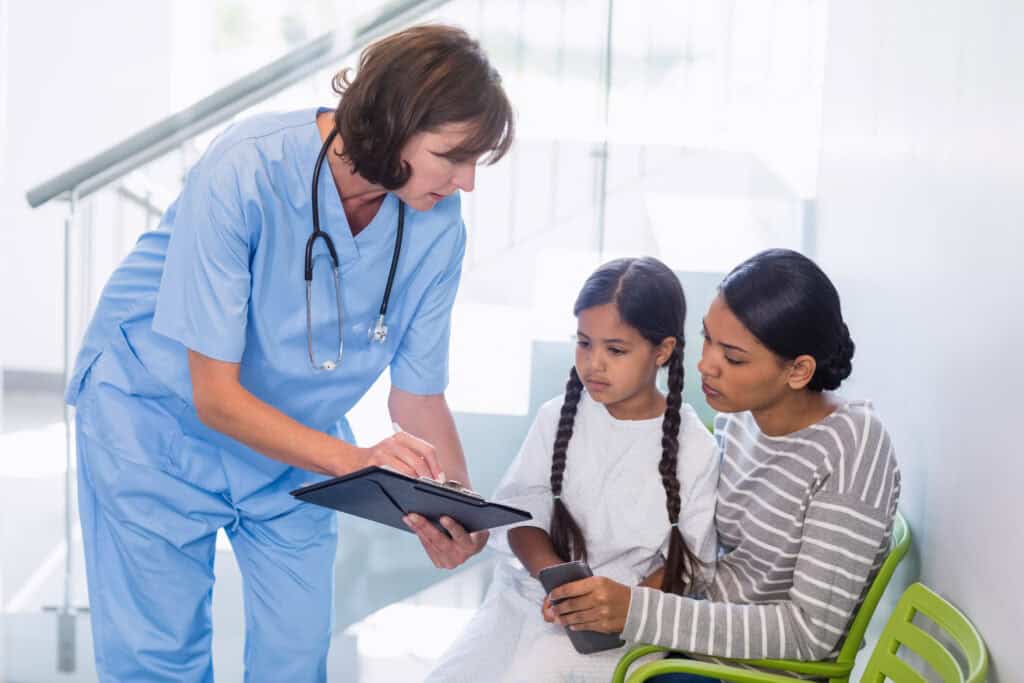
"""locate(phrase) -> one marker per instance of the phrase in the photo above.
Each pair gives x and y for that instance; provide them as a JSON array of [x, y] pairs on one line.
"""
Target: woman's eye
[[582, 344], [616, 352], [733, 361]]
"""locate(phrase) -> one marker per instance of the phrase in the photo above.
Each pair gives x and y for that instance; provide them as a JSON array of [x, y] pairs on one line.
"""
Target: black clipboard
[[385, 496]]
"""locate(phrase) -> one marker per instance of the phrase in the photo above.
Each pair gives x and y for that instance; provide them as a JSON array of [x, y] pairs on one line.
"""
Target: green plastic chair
[[900, 631], [884, 664], [836, 671]]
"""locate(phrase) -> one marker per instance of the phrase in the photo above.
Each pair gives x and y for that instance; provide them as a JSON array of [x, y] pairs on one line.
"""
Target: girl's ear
[[801, 372], [664, 351]]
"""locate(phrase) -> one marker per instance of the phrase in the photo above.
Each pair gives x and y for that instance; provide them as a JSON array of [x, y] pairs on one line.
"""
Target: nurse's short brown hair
[[416, 81]]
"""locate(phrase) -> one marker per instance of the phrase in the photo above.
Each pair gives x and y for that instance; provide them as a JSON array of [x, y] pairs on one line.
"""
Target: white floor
[[395, 613]]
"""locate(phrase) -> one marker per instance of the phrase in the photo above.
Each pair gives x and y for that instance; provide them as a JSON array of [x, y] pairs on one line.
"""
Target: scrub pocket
[[122, 406]]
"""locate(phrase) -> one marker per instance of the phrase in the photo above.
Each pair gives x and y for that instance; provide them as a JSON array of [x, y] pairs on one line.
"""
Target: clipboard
[[385, 496]]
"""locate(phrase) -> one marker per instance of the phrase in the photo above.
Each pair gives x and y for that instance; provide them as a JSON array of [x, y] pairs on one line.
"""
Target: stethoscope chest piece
[[379, 332]]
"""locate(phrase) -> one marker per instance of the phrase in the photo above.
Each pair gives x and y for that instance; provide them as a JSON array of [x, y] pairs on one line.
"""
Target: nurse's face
[[435, 174]]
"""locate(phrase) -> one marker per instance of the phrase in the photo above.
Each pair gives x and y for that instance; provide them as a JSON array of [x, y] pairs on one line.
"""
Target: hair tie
[[558, 496], [674, 525]]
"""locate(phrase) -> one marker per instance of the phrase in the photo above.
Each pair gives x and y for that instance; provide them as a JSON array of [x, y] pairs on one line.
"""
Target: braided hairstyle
[[791, 306], [566, 536], [650, 299]]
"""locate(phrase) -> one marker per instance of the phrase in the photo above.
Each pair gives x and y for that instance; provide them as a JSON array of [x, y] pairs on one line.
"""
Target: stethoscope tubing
[[379, 331]]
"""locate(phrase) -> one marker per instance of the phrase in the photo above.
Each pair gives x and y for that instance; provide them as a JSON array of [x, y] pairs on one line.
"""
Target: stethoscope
[[379, 331]]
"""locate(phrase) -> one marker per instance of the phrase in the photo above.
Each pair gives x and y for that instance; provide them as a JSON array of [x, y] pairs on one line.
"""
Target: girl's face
[[434, 175], [737, 371], [616, 364]]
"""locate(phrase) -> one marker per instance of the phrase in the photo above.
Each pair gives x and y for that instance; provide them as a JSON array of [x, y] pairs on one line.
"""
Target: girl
[[598, 471], [808, 487]]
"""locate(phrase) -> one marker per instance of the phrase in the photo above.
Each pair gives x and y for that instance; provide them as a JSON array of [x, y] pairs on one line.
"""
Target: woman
[[807, 491], [213, 379]]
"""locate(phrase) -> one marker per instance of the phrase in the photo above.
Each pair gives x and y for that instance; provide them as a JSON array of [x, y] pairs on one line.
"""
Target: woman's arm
[[840, 545], [223, 404]]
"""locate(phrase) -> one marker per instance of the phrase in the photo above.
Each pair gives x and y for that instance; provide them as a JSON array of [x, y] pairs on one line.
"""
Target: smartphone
[[585, 642]]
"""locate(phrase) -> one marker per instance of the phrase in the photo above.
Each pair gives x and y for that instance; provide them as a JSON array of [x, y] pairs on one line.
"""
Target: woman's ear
[[801, 372], [664, 351]]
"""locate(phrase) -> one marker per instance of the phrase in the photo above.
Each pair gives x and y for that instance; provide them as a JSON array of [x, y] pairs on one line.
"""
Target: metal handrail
[[164, 135], [139, 149]]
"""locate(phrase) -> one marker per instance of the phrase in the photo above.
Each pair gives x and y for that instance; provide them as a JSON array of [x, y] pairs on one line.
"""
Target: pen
[[398, 429]]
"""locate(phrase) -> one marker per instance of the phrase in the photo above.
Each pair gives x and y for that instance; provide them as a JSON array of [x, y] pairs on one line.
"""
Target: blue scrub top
[[223, 275]]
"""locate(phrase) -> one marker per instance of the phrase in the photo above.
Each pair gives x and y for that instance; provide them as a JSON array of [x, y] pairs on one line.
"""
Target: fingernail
[[441, 478]]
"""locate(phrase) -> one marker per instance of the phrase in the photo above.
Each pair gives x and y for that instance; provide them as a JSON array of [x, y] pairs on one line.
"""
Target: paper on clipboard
[[385, 496]]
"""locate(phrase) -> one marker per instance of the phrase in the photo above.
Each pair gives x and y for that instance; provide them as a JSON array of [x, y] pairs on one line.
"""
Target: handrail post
[[66, 650]]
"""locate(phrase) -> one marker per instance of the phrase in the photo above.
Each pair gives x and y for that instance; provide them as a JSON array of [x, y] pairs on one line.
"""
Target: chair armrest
[[636, 653], [831, 670], [715, 671], [824, 669]]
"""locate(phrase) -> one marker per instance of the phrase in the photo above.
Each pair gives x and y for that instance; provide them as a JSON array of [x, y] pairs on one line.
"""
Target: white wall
[[922, 172], [79, 77], [3, 174]]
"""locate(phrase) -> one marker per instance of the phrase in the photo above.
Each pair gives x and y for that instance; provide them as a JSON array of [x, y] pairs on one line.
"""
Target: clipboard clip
[[451, 485]]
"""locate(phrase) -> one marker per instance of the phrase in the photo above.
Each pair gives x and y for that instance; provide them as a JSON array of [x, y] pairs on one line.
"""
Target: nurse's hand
[[407, 454], [444, 552]]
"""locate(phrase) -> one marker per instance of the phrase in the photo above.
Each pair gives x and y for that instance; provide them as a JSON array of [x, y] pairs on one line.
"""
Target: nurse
[[208, 385]]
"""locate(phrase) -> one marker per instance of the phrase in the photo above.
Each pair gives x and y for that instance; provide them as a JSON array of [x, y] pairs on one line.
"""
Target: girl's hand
[[445, 552], [592, 604], [547, 611], [406, 453]]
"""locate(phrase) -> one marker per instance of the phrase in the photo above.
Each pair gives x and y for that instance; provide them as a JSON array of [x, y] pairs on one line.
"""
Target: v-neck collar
[[381, 230]]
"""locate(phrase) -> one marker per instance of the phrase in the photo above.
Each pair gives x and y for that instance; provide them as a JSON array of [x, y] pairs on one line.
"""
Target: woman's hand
[[445, 552], [593, 604], [403, 452]]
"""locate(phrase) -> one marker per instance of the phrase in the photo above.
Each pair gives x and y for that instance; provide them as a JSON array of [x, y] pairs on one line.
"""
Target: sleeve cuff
[[641, 602], [218, 346], [658, 618], [412, 382]]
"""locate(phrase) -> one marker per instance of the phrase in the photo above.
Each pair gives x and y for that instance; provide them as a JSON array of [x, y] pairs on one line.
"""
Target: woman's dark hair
[[416, 81], [650, 299], [791, 306]]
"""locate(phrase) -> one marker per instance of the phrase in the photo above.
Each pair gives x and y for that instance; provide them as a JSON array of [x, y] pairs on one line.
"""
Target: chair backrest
[[898, 546], [900, 631]]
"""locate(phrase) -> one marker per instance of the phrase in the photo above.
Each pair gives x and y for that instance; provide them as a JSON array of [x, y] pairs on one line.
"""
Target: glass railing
[[687, 131]]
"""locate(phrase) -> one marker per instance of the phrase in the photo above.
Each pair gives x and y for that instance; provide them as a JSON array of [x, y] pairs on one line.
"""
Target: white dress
[[614, 491]]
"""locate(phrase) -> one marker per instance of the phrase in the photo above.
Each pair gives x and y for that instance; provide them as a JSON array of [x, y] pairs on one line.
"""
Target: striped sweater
[[804, 522]]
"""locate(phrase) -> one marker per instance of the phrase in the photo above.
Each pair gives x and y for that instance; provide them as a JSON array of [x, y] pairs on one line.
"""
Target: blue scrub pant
[[149, 540]]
